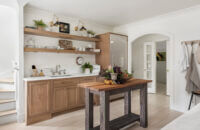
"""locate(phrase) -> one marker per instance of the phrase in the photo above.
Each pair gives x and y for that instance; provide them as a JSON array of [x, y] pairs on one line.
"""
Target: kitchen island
[[104, 91], [52, 95]]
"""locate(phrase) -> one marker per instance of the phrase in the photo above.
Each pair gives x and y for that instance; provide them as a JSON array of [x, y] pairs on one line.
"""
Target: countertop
[[58, 77]]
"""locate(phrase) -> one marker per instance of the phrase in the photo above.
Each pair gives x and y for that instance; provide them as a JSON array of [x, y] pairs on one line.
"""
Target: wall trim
[[21, 117]]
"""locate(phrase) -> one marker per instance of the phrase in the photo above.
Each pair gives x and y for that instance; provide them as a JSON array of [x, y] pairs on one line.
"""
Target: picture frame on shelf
[[64, 27]]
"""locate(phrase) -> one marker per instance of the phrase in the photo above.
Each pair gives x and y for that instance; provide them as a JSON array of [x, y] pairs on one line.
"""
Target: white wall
[[161, 65], [10, 3], [50, 60], [180, 26], [138, 52], [8, 40]]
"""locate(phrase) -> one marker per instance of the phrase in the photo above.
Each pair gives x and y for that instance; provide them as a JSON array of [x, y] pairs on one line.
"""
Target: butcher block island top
[[98, 86], [104, 92]]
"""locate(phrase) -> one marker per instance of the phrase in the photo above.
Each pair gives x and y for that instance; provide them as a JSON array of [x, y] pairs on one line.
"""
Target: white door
[[150, 65]]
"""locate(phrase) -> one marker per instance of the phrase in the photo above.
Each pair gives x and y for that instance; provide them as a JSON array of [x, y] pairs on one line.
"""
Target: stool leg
[[190, 101]]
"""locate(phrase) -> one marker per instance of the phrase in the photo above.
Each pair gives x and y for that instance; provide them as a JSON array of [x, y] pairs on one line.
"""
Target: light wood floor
[[161, 88], [159, 116]]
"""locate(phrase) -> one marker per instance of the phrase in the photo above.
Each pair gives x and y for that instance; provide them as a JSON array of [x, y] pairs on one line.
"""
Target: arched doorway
[[162, 71]]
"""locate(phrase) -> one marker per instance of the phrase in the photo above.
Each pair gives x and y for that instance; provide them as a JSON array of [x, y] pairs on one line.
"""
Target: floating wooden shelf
[[58, 51], [58, 35]]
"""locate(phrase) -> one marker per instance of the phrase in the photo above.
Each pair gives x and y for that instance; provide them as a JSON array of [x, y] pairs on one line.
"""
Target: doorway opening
[[161, 67], [151, 60]]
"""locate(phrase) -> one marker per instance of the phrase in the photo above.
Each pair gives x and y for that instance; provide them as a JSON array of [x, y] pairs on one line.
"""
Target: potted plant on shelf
[[40, 24], [90, 33], [87, 68]]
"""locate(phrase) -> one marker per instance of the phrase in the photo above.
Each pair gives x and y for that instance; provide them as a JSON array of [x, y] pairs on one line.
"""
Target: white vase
[[113, 76], [87, 71], [54, 29]]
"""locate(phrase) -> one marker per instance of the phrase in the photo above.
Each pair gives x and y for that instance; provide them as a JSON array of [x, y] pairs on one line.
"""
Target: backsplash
[[50, 60]]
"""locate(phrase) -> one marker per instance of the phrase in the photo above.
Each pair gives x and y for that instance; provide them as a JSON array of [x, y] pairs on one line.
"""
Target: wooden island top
[[99, 86]]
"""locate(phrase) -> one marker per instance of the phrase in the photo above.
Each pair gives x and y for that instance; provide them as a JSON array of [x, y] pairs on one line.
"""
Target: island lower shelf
[[47, 97], [121, 122]]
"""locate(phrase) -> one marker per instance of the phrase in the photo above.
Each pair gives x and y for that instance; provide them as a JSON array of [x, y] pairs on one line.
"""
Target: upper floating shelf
[[58, 35]]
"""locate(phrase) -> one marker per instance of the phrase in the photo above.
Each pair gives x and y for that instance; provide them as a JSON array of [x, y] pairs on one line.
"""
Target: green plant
[[39, 23], [87, 65], [91, 32], [107, 73]]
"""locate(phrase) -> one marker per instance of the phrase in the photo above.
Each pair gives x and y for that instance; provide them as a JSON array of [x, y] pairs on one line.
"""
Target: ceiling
[[113, 12]]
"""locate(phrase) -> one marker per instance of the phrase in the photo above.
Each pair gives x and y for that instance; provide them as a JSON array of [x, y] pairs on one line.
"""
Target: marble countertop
[[58, 77]]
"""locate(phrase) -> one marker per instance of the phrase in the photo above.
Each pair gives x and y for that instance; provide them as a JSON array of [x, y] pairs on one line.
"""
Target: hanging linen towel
[[184, 58], [198, 54], [192, 76]]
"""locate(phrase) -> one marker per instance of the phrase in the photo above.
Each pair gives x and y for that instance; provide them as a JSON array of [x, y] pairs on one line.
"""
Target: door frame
[[134, 37]]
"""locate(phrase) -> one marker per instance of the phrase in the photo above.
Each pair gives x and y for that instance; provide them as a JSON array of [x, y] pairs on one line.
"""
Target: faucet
[[64, 71], [57, 69]]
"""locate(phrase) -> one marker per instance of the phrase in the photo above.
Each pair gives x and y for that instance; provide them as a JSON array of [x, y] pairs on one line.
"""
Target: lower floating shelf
[[59, 51]]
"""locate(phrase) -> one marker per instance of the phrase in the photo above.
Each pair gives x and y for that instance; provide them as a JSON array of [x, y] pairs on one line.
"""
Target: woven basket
[[67, 45]]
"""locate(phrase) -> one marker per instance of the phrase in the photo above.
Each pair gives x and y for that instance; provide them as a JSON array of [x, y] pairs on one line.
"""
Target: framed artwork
[[64, 27], [161, 56]]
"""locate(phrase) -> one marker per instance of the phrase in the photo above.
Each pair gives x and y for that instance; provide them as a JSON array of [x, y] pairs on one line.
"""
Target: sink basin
[[66, 75]]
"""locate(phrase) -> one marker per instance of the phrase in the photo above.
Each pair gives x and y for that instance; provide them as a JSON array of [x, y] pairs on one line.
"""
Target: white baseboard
[[20, 117]]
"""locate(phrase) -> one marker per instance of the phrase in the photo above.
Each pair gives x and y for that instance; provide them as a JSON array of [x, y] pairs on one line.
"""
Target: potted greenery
[[90, 33], [39, 24], [87, 68], [114, 75]]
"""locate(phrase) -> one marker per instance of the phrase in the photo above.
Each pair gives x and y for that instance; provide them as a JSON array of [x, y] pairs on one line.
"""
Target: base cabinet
[[38, 101], [82, 91], [53, 96], [65, 94]]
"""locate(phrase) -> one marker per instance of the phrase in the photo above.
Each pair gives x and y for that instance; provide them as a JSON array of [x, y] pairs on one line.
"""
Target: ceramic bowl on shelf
[[97, 50], [52, 47], [30, 46], [39, 46]]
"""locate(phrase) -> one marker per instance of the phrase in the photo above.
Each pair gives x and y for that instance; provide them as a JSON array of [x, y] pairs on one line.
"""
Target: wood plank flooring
[[159, 116]]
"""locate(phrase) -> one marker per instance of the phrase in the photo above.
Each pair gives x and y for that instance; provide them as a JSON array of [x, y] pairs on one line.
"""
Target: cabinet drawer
[[87, 79], [65, 82]]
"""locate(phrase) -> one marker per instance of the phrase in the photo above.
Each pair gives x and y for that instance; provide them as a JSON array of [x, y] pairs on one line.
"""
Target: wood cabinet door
[[59, 99], [72, 93], [81, 91], [81, 97], [38, 98]]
